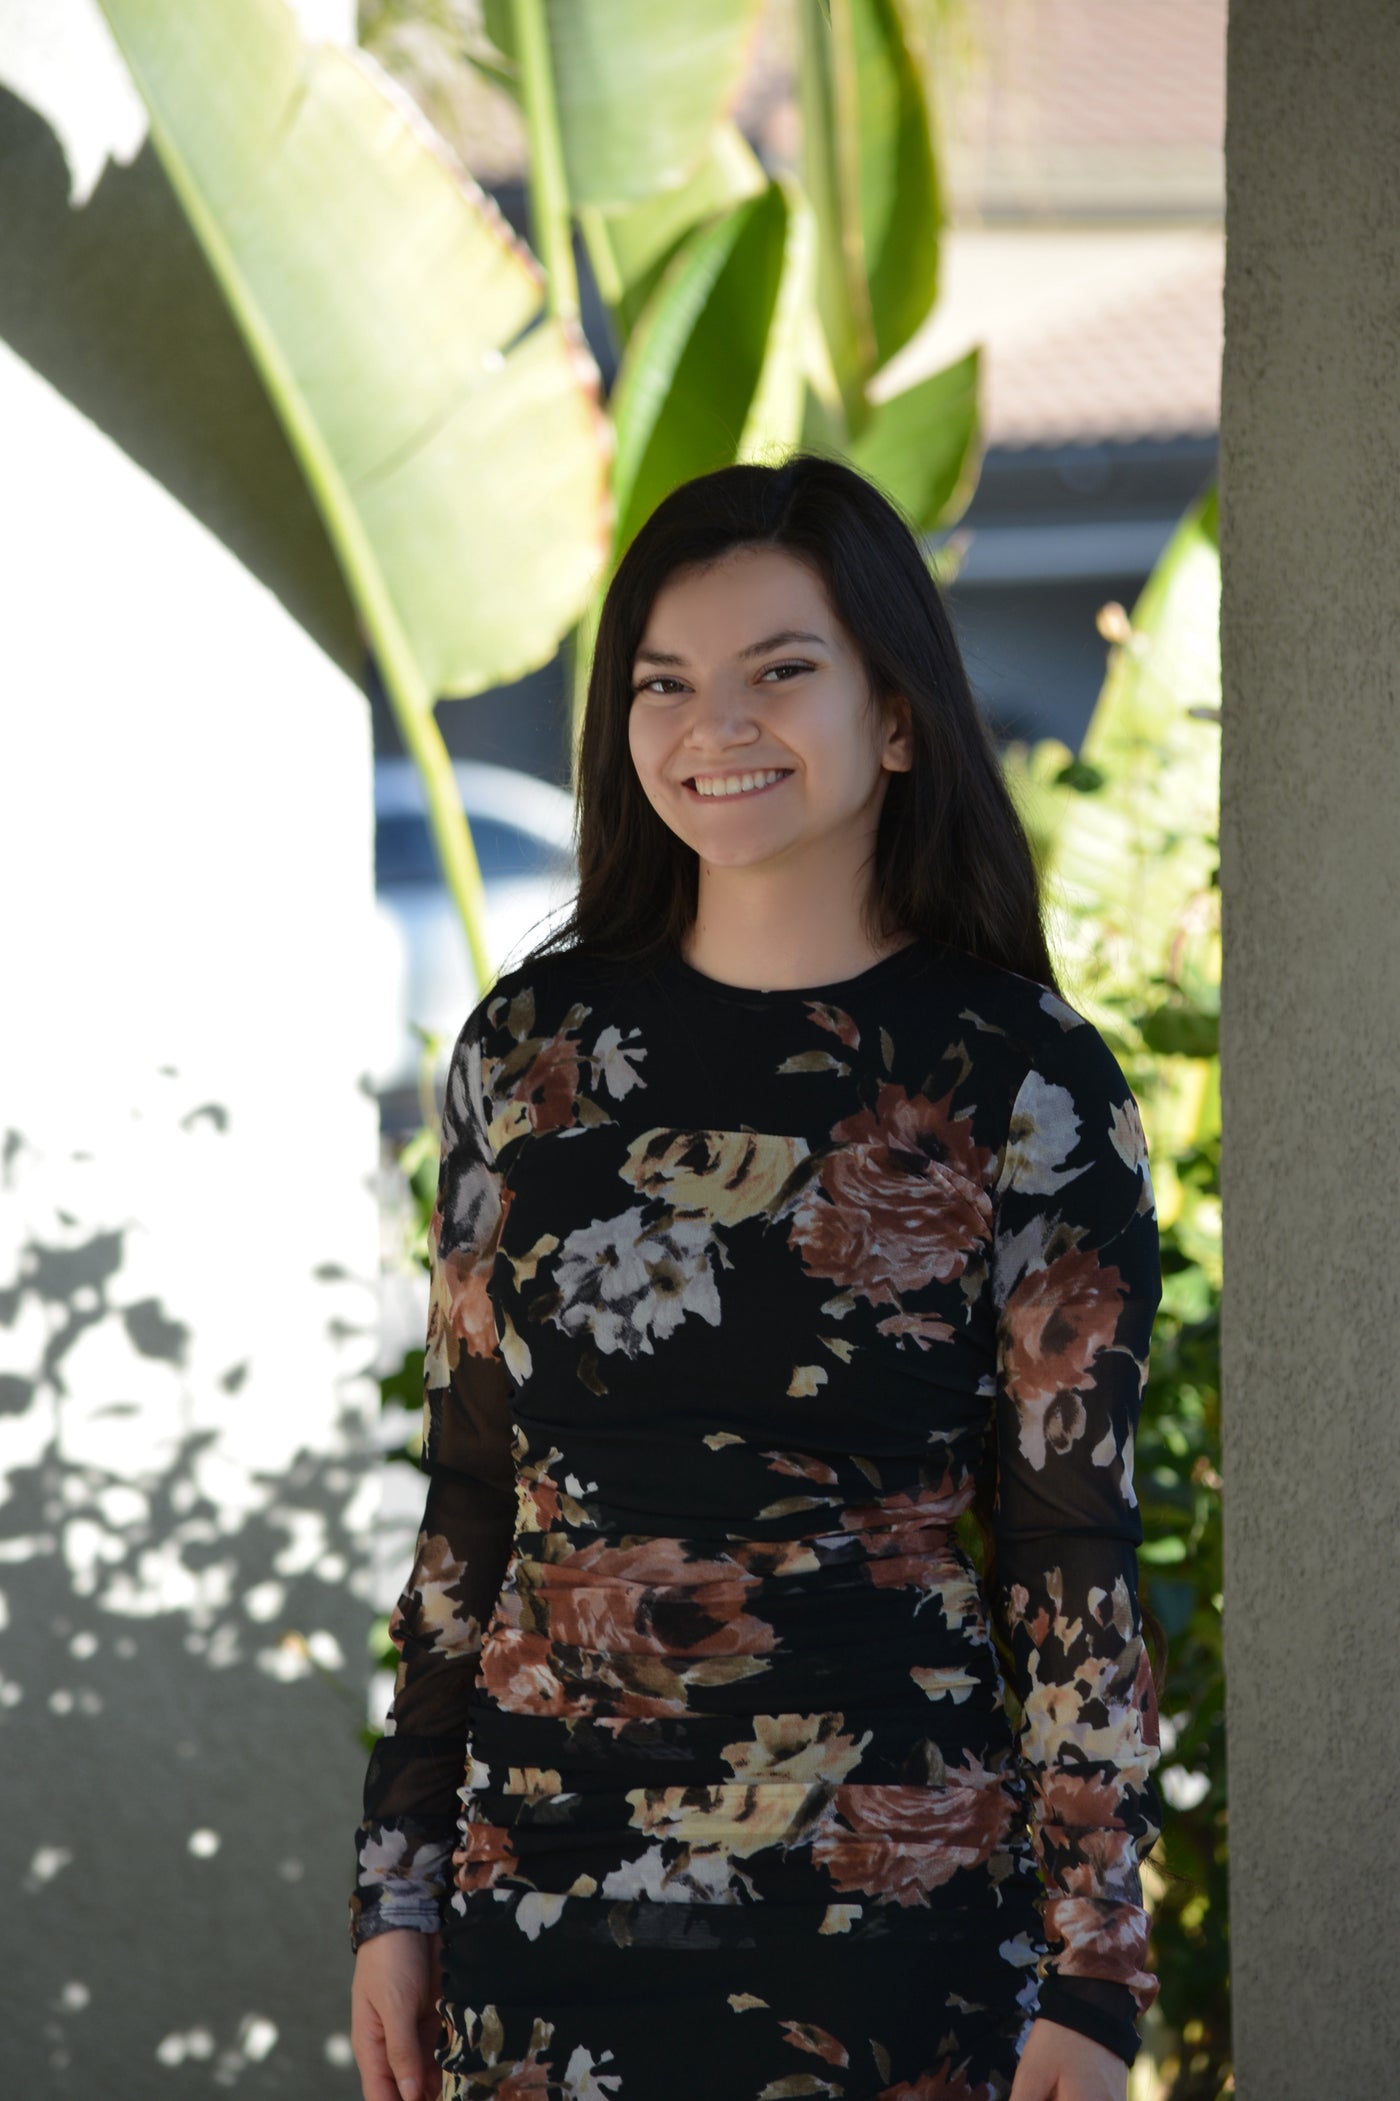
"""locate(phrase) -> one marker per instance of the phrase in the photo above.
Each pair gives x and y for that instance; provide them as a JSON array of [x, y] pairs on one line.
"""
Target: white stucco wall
[[187, 1254]]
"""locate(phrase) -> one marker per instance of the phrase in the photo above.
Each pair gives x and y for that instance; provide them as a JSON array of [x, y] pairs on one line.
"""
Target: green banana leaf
[[870, 167], [638, 87], [630, 248], [452, 438], [921, 446], [713, 369]]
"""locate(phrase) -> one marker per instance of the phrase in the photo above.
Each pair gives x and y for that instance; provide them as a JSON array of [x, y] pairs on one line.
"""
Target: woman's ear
[[897, 753]]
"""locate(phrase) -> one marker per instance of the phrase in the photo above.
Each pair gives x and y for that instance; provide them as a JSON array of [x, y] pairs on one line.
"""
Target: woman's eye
[[786, 667], [647, 685]]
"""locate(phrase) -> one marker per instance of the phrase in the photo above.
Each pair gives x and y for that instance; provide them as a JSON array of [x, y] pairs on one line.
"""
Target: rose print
[[899, 1200]]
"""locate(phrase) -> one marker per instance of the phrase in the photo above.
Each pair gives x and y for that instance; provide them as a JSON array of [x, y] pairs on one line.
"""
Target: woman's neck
[[759, 930]]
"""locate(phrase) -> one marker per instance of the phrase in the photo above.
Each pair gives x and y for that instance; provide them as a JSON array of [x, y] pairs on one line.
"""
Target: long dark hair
[[952, 861]]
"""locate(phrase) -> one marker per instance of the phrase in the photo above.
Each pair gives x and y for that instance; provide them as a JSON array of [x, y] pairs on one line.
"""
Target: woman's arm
[[411, 1803], [1077, 1280]]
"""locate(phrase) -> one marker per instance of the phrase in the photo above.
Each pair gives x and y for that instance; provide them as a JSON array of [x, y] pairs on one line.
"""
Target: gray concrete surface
[[1310, 510]]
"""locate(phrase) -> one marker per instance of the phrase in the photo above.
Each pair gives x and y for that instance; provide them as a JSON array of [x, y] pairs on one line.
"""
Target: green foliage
[[1126, 834], [692, 367]]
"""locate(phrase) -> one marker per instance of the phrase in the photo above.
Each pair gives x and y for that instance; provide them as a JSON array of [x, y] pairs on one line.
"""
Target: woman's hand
[[1059, 2064], [393, 2016]]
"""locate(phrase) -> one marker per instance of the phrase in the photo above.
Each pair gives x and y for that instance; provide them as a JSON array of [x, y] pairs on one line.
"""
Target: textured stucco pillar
[[1310, 481]]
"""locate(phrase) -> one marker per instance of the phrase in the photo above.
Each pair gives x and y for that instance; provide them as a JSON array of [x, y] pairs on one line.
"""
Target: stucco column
[[1310, 483]]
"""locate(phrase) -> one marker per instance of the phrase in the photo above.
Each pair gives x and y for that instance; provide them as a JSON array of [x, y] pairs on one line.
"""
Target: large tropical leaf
[[451, 436], [901, 211], [921, 445], [713, 370], [871, 169], [631, 247], [638, 87]]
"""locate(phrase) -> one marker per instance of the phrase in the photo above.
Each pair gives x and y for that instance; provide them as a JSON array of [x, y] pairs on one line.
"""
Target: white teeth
[[736, 783]]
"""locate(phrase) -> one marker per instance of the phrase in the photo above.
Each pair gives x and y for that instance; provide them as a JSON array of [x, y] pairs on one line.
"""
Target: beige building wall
[[1310, 481]]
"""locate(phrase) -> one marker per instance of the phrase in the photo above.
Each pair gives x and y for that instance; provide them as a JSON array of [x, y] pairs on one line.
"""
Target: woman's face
[[750, 727]]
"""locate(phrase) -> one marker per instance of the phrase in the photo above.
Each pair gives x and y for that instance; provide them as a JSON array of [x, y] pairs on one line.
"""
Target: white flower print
[[1128, 1137], [1044, 1132], [625, 1281], [611, 1055]]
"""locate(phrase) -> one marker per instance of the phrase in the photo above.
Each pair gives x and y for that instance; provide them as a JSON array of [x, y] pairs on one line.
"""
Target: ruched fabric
[[703, 1756]]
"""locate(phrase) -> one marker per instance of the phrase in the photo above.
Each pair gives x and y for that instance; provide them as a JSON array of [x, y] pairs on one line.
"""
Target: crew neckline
[[873, 974]]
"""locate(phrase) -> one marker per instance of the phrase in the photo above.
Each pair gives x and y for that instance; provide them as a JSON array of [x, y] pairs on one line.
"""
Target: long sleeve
[[1076, 1282], [411, 1802]]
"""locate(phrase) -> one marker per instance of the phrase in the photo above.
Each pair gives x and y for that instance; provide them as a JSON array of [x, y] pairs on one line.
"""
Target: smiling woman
[[786, 1213], [761, 762]]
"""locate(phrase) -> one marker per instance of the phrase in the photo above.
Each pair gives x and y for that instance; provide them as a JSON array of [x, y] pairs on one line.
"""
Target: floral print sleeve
[[1076, 1281], [411, 1790]]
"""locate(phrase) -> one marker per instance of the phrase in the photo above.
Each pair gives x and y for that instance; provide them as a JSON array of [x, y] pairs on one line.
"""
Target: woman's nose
[[719, 714]]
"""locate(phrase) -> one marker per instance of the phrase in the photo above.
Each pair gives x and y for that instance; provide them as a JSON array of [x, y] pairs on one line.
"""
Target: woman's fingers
[[392, 2022], [367, 2037]]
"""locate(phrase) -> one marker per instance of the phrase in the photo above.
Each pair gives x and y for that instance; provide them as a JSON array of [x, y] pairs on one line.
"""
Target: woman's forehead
[[738, 605]]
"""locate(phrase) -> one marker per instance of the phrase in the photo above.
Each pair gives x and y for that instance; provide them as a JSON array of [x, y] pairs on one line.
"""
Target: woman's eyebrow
[[647, 655]]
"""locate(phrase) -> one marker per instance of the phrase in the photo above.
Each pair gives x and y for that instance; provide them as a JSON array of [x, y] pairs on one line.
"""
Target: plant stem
[[600, 254], [447, 821], [549, 188]]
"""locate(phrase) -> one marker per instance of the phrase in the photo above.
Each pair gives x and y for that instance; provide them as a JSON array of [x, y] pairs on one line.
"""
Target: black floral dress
[[702, 1756]]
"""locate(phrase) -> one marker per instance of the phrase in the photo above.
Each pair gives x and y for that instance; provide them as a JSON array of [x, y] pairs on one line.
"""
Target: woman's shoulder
[[1040, 1029], [536, 994]]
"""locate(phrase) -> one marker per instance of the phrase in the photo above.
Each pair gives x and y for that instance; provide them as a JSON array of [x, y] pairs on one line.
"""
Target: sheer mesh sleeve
[[411, 1803], [1076, 1282]]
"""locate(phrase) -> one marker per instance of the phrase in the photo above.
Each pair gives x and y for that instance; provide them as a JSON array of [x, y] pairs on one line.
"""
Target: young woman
[[786, 1214]]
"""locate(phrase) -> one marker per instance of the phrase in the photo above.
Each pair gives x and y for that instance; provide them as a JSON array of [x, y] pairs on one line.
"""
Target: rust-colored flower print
[[906, 1539], [899, 1843], [1101, 1939], [548, 1087], [836, 1019], [805, 2035], [899, 1200], [648, 1599], [484, 1856], [1058, 1320]]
